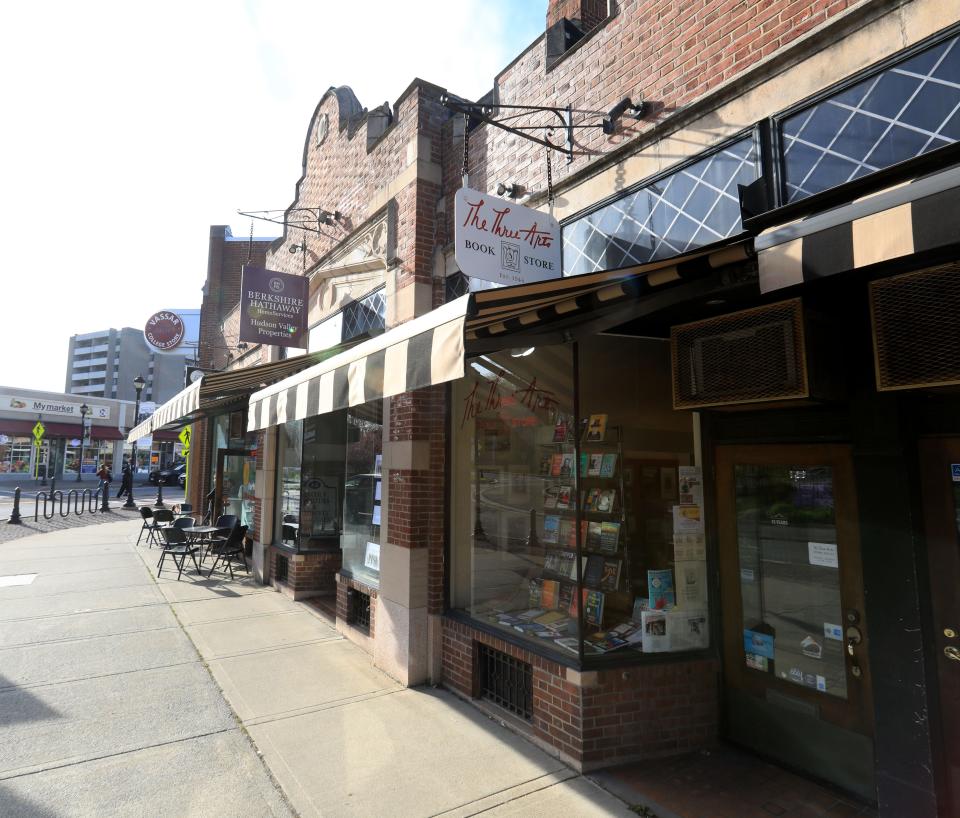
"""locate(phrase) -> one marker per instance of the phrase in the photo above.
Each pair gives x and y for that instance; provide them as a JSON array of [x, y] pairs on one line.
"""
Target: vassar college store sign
[[504, 242]]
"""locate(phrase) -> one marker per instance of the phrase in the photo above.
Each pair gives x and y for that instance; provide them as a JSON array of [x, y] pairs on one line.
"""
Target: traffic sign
[[38, 431], [185, 436]]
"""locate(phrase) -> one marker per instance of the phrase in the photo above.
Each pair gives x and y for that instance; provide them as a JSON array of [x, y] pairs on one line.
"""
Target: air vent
[[505, 681], [753, 356], [916, 334]]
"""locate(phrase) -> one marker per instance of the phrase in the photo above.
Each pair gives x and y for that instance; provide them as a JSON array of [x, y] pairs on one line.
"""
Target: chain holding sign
[[501, 241]]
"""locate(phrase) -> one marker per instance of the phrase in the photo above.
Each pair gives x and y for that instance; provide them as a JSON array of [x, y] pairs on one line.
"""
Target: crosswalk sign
[[185, 437]]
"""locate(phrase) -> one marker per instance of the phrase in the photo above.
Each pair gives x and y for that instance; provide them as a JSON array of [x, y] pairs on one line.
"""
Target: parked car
[[182, 479], [168, 476]]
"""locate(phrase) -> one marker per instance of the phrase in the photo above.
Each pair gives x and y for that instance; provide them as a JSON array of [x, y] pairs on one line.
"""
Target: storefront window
[[15, 455], [310, 479], [362, 492], [604, 507]]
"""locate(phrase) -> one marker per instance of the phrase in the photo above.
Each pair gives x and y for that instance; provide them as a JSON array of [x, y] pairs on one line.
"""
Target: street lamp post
[[138, 384], [83, 431]]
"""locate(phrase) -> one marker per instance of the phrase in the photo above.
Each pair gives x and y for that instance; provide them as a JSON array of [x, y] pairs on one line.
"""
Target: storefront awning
[[915, 217], [217, 390], [24, 428], [431, 349]]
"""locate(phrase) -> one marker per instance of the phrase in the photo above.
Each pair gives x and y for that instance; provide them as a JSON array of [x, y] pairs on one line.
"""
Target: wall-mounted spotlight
[[513, 190], [624, 106], [298, 248], [328, 216]]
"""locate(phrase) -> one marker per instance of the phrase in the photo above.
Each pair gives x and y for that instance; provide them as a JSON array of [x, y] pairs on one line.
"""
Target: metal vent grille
[[752, 356], [916, 334], [505, 681], [283, 569], [358, 610]]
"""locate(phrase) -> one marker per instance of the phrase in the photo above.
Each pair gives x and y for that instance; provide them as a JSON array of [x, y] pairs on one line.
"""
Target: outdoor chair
[[162, 517], [147, 514], [184, 522], [228, 549], [178, 545]]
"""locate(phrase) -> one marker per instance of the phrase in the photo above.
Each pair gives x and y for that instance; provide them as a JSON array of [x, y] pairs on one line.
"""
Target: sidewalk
[[107, 708]]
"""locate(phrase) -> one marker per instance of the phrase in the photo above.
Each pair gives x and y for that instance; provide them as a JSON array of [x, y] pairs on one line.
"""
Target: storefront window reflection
[[363, 492], [591, 521]]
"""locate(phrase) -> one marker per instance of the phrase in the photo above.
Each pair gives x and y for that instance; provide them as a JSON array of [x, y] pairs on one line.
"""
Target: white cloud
[[130, 128]]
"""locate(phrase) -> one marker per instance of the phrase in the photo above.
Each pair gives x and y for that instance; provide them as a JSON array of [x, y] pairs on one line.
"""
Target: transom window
[[690, 208]]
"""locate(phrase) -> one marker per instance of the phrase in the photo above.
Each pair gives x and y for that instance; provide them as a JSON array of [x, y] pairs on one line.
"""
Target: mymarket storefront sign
[[14, 403]]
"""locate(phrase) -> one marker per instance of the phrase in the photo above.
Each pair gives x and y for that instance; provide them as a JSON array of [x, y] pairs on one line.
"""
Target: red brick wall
[[666, 52], [590, 12], [643, 711], [310, 574]]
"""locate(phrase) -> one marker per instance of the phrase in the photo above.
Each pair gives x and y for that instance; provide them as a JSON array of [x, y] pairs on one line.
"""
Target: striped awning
[[914, 217], [431, 349], [218, 390]]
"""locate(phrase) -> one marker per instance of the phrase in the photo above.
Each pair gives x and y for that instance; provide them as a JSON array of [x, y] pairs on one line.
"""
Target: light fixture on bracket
[[328, 216], [298, 248], [520, 119], [512, 190]]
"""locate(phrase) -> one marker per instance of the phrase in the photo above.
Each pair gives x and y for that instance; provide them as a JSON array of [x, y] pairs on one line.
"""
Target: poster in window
[[320, 505]]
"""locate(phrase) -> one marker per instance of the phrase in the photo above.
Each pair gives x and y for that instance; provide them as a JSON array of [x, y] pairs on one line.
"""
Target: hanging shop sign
[[273, 308], [501, 241], [14, 403], [164, 331]]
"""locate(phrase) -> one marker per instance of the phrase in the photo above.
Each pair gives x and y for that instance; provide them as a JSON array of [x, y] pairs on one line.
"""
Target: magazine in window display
[[691, 485], [536, 593], [610, 578], [640, 604], [551, 528], [609, 536], [594, 465], [687, 519], [654, 626], [608, 465], [605, 641], [605, 501], [691, 590], [566, 465], [566, 600], [584, 462], [594, 571], [564, 497], [550, 495], [594, 538], [549, 594], [596, 429], [660, 589], [593, 607], [568, 533], [556, 464], [545, 462], [560, 430]]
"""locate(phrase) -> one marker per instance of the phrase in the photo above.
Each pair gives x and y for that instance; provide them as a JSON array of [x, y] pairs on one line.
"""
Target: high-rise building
[[104, 364]]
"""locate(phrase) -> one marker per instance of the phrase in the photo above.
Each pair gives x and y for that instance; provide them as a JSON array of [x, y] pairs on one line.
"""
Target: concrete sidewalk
[[339, 736]]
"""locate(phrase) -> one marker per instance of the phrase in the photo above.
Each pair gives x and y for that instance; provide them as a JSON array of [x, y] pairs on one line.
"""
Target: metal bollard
[[53, 485], [15, 514], [159, 503], [105, 506]]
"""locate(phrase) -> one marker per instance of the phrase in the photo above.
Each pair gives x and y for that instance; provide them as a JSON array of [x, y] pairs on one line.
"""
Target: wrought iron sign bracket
[[301, 218], [516, 119]]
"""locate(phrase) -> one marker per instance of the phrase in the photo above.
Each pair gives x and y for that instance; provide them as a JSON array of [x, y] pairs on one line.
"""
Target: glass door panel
[[236, 484]]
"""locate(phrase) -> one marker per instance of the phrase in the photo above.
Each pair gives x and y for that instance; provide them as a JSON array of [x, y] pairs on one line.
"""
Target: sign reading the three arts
[[273, 308], [504, 242]]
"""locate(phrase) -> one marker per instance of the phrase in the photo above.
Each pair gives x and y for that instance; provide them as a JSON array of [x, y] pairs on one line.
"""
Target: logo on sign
[[164, 330], [955, 471], [276, 285]]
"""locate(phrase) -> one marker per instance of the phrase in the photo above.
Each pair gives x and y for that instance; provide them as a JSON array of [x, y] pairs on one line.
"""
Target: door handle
[[854, 638], [952, 653]]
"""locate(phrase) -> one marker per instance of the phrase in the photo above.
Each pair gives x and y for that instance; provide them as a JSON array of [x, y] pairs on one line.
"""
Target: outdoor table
[[202, 534]]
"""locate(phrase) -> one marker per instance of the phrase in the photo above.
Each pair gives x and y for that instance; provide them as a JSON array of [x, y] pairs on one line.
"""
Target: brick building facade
[[719, 81]]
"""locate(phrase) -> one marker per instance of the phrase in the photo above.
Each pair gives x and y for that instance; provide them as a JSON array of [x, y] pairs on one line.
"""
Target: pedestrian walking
[[126, 479]]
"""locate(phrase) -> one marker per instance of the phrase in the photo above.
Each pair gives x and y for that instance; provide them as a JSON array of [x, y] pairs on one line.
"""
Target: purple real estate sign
[[273, 308]]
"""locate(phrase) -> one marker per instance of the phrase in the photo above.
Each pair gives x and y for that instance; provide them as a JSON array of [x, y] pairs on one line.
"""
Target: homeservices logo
[[276, 285]]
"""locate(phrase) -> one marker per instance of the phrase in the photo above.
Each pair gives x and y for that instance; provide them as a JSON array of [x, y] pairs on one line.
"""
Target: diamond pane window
[[904, 111], [368, 315], [692, 207]]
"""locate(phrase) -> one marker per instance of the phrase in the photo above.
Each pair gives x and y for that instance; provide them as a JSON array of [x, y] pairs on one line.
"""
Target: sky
[[130, 128]]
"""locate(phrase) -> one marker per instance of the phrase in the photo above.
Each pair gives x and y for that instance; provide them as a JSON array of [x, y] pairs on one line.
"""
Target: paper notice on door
[[691, 584], [823, 553], [691, 485]]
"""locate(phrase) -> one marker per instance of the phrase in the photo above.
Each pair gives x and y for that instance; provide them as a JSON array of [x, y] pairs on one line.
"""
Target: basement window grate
[[505, 681], [358, 610], [283, 569]]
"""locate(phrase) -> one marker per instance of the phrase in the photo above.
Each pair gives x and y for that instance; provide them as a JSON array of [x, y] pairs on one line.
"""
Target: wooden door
[[940, 483]]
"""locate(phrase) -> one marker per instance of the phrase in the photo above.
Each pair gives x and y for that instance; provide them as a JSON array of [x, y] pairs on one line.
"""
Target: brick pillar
[[588, 12]]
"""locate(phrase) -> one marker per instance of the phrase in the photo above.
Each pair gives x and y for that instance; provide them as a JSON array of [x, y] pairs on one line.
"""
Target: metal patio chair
[[229, 548], [178, 548]]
